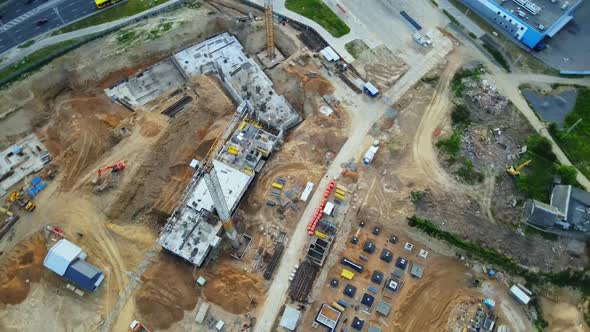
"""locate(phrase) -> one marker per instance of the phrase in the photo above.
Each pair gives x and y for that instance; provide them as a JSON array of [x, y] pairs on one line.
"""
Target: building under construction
[[220, 181]]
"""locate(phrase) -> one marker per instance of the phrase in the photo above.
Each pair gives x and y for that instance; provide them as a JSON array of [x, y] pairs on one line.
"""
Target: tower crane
[[268, 24], [207, 171]]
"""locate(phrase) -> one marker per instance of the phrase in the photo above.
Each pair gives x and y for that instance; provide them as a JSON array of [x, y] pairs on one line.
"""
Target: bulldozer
[[516, 171]]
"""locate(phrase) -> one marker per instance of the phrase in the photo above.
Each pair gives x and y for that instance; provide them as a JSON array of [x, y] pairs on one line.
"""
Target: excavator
[[118, 166], [18, 197], [516, 171]]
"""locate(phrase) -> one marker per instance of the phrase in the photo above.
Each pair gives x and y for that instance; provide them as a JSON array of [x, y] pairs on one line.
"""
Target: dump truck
[[137, 327]]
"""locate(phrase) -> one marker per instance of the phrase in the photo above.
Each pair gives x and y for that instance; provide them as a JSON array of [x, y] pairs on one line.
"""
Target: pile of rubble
[[490, 148], [485, 95]]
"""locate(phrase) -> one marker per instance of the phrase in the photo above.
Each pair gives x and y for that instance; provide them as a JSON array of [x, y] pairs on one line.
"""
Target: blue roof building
[[69, 261], [529, 21]]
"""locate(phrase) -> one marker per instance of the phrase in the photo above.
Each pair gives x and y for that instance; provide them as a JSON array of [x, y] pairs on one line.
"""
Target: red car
[[42, 21]]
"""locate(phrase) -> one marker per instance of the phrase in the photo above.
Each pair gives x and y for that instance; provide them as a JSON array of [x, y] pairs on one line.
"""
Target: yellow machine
[[104, 3], [18, 198], [516, 171]]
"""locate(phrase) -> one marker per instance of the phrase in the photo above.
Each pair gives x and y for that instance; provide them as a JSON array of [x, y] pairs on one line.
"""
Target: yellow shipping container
[[320, 235], [232, 150], [340, 192], [242, 125], [347, 274], [339, 197], [277, 185], [337, 306], [341, 188]]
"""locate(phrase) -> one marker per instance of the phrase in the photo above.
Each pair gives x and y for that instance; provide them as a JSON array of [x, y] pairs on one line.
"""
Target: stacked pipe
[[317, 215]]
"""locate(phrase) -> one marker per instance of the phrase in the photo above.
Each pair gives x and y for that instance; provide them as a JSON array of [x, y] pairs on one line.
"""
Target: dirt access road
[[363, 112]]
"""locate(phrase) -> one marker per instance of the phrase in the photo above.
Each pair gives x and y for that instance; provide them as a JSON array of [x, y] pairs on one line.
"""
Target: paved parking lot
[[570, 48]]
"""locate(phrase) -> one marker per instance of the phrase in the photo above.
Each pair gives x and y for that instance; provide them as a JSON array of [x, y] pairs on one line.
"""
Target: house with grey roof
[[568, 209]]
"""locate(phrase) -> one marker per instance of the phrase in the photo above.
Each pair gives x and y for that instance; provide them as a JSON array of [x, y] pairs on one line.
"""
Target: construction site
[[237, 174]]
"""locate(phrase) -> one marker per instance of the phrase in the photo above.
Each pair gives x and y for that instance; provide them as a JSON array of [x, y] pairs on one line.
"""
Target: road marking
[[75, 10], [37, 27]]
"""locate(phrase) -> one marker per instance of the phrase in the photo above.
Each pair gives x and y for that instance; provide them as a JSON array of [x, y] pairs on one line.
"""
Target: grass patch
[[434, 3], [452, 18], [430, 79], [498, 56], [158, 31], [106, 15], [468, 173], [320, 13], [356, 48], [127, 37], [416, 196], [26, 44], [35, 56], [460, 116], [536, 179], [451, 146], [472, 35], [576, 144], [457, 84]]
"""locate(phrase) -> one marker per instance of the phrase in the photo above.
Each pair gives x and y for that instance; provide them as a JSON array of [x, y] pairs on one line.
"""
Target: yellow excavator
[[516, 171], [18, 198]]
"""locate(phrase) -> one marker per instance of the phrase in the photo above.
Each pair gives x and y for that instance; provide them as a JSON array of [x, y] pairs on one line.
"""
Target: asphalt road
[[18, 22]]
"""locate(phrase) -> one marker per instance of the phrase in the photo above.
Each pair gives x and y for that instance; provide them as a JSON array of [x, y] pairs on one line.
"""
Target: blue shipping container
[[411, 20], [372, 289], [35, 180], [343, 303]]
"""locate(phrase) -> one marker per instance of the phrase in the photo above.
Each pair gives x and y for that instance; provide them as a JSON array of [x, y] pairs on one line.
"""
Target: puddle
[[552, 107]]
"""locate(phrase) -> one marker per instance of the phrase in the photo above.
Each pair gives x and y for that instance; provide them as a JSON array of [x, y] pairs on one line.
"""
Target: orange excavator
[[118, 166]]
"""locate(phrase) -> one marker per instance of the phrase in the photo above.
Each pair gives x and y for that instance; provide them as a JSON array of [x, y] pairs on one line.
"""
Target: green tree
[[568, 174]]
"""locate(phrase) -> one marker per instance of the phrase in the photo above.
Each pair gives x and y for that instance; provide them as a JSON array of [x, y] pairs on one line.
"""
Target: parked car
[[42, 21]]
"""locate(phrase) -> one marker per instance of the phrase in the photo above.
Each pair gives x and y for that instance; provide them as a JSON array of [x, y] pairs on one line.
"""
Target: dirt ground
[[21, 267], [380, 66]]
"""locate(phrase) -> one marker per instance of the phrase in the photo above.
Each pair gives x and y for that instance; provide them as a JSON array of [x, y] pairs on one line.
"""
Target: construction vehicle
[[137, 327], [18, 197], [516, 171], [116, 167]]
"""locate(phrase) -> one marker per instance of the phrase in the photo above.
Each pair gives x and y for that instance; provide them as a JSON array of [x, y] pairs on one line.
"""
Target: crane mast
[[270, 38]]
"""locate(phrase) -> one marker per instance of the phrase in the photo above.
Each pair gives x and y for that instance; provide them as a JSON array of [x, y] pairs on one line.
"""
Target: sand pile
[[232, 289], [21, 267], [168, 290]]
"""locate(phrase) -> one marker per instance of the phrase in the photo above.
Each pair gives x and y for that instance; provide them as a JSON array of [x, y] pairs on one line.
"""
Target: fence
[[45, 60]]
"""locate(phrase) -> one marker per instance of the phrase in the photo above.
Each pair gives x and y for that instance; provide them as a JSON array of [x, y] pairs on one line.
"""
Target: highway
[[18, 18]]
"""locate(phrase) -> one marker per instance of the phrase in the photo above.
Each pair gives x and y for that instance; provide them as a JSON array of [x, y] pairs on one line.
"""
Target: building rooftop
[[328, 316], [560, 197], [290, 318], [27, 156], [233, 186], [417, 270], [540, 214], [536, 12], [383, 308], [148, 85], [193, 229], [242, 77], [61, 255]]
